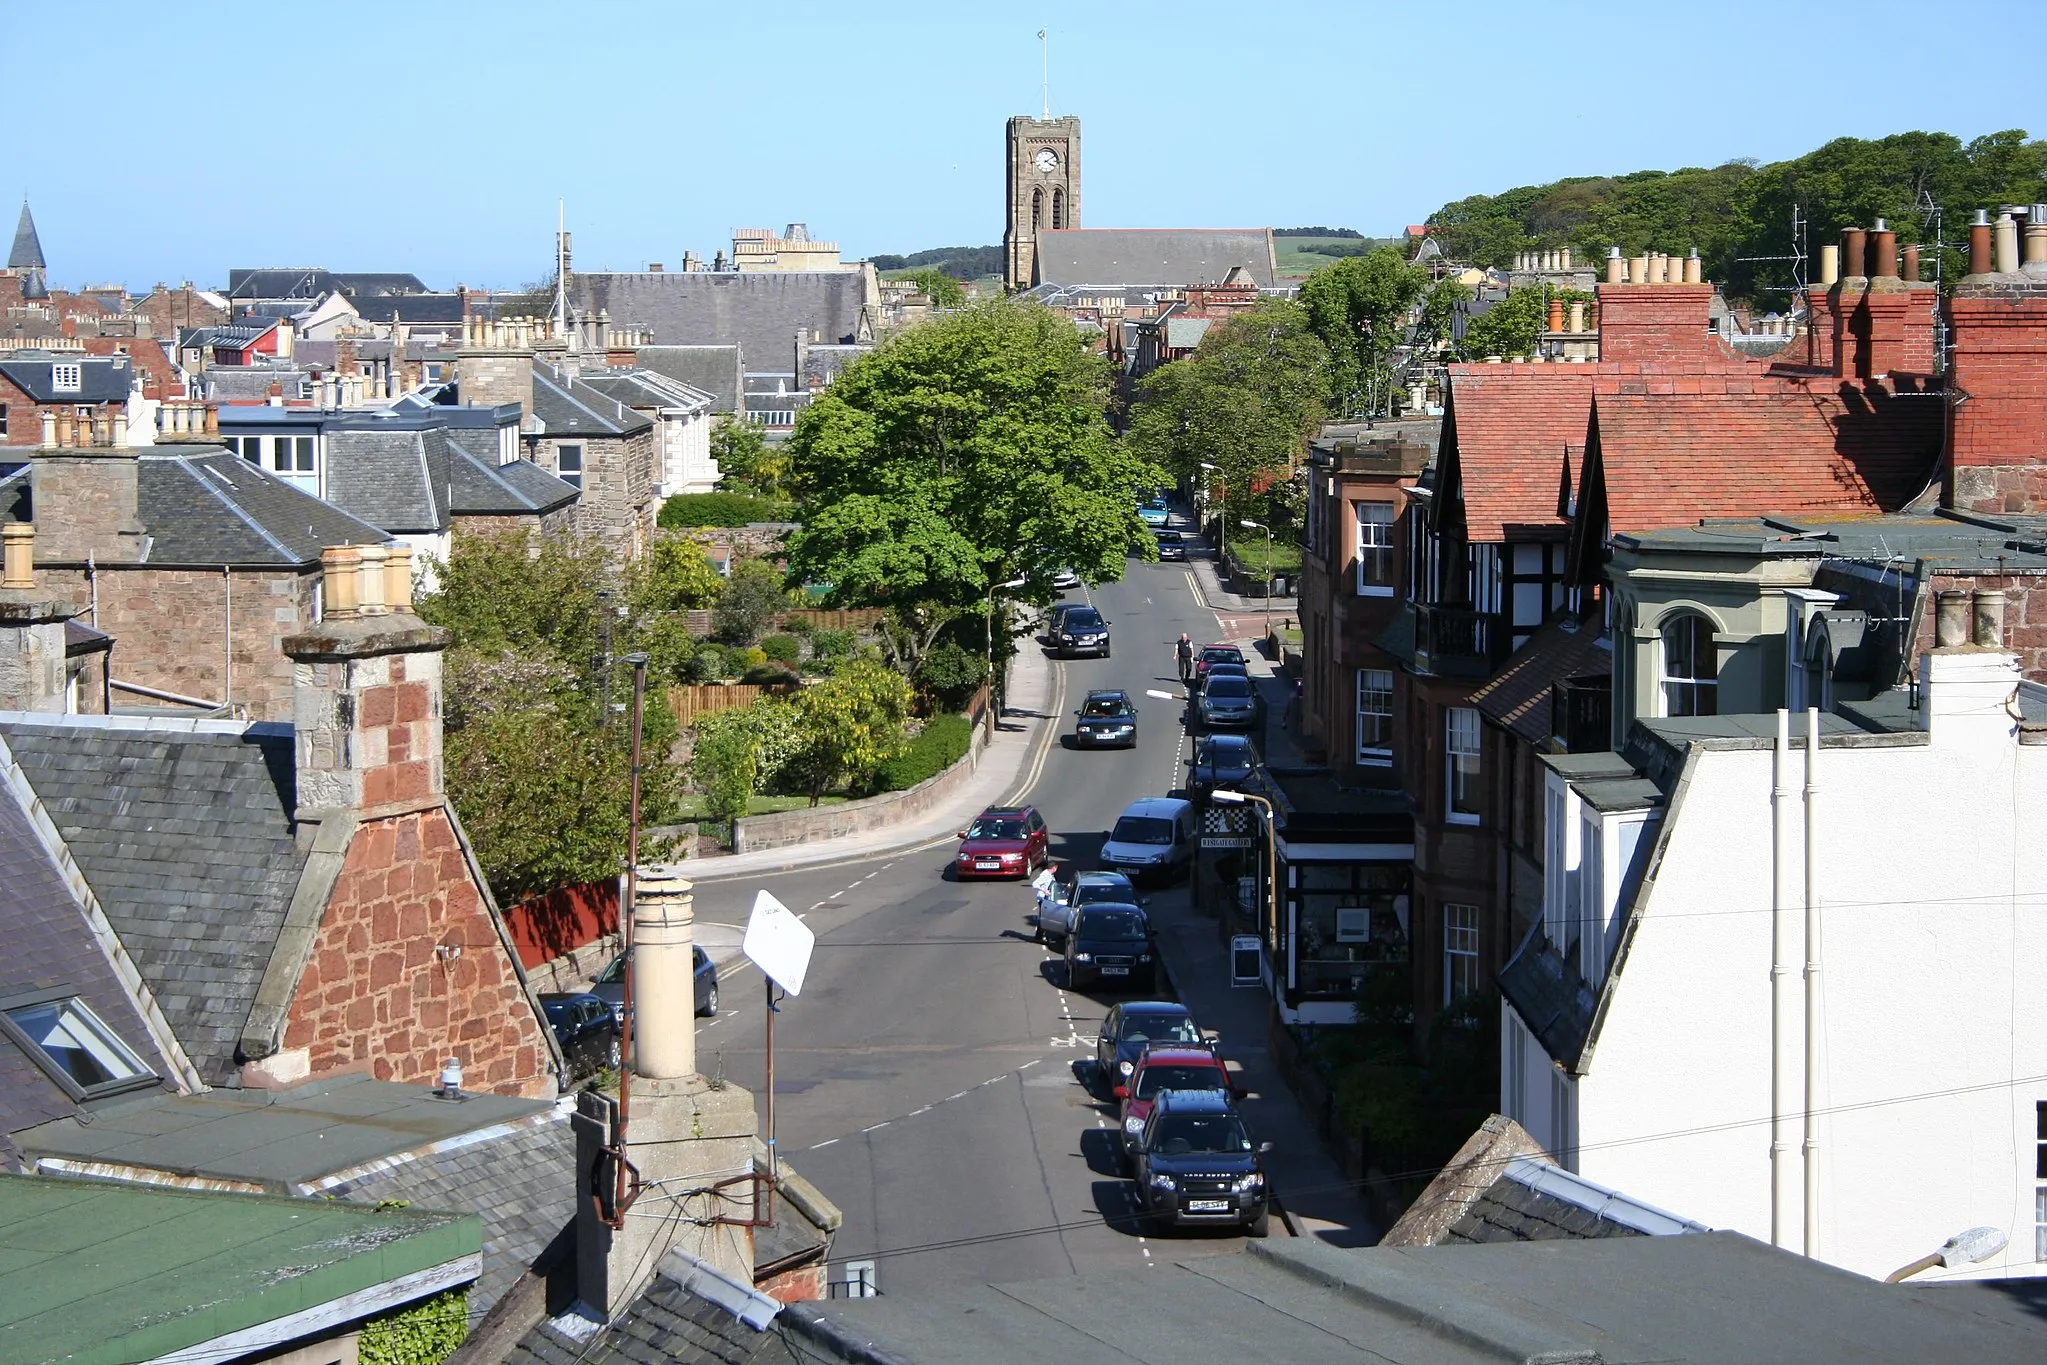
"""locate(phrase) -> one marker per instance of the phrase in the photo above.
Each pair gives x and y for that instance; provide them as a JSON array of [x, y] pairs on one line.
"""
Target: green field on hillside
[[1303, 256]]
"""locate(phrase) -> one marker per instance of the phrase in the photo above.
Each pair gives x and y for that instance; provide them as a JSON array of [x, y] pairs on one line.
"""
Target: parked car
[[1172, 545], [1106, 718], [1003, 841], [1221, 761], [1225, 669], [1111, 945], [1080, 630], [586, 1029], [1209, 655], [1153, 838], [609, 985], [1058, 898], [1135, 1025], [1228, 703], [1162, 1067], [1196, 1167]]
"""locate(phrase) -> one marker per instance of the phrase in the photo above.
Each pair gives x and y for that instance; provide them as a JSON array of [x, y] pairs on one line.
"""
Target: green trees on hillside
[[1742, 209]]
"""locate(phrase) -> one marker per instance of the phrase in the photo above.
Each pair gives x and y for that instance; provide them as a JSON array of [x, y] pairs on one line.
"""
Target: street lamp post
[[1226, 797], [1222, 523], [1251, 525]]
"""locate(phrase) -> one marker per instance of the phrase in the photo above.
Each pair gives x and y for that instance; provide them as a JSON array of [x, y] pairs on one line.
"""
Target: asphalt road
[[932, 1079]]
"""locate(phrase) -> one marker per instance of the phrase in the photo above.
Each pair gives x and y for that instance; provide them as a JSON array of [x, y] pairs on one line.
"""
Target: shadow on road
[[1103, 1149], [1116, 1201]]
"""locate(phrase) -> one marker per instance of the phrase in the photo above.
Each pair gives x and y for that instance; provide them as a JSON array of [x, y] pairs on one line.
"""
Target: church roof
[[759, 312], [28, 248], [1160, 257]]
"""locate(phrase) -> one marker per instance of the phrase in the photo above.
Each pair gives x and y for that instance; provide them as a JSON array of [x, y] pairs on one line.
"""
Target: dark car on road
[[1172, 545], [610, 985], [1059, 899], [1166, 1066], [1135, 1025], [1111, 945], [1003, 841], [1228, 703], [586, 1029], [1215, 654], [1221, 761], [1106, 719], [1080, 630], [1196, 1167]]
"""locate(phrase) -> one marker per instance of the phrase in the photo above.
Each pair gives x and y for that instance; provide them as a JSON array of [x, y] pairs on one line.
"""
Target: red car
[[1168, 1068], [1215, 654], [1004, 841]]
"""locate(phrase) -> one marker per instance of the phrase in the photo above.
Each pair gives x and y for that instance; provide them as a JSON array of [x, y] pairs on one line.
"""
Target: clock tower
[[1043, 190]]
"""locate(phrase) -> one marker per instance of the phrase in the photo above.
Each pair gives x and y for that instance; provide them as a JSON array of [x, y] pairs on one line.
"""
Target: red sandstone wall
[[376, 995]]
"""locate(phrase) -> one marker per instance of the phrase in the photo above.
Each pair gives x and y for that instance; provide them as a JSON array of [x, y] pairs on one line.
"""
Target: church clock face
[[1047, 161]]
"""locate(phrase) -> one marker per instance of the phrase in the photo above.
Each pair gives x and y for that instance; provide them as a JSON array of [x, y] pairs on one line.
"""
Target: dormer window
[[67, 378]]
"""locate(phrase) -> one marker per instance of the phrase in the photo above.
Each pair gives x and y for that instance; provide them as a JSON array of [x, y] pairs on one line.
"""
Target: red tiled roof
[[1512, 425], [1519, 697], [1785, 447]]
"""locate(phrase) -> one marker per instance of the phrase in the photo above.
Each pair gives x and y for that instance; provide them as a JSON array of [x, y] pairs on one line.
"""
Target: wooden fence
[[699, 620], [708, 699]]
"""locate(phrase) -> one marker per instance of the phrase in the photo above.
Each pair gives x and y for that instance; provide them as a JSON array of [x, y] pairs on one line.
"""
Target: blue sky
[[174, 142]]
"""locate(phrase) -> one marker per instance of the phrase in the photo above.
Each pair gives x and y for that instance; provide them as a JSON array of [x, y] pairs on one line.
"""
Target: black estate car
[[1221, 761], [1106, 718], [586, 1029]]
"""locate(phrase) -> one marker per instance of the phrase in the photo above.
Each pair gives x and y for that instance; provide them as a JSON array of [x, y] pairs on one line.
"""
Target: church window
[[1037, 208], [1058, 208]]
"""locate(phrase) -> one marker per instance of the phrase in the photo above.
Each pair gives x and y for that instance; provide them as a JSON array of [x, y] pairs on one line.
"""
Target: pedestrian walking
[[1185, 650]]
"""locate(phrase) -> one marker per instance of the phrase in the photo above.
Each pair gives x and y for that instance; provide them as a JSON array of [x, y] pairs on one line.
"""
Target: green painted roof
[[94, 1273]]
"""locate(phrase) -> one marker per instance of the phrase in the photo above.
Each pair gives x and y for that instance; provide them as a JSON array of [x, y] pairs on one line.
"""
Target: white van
[[1154, 839]]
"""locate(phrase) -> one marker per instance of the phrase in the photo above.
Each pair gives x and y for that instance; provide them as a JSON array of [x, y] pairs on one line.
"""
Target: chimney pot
[[1951, 618], [2035, 262], [1912, 263], [1616, 268], [398, 577], [1987, 618], [2006, 244], [341, 573], [18, 558], [1883, 252], [1830, 265], [1695, 269], [1638, 270], [1854, 245], [664, 993]]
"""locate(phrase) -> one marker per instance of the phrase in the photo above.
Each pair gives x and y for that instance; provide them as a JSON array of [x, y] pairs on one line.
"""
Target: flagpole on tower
[[1045, 70]]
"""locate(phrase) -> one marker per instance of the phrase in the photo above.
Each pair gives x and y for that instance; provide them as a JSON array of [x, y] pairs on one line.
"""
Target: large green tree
[[1364, 309], [1254, 388], [963, 456]]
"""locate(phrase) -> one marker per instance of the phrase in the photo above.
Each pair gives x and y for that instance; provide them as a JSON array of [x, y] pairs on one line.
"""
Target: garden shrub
[[719, 509], [942, 743], [831, 644], [783, 649], [771, 674]]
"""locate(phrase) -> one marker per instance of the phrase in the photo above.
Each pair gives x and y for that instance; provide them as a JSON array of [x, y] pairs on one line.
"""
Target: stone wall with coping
[[785, 829]]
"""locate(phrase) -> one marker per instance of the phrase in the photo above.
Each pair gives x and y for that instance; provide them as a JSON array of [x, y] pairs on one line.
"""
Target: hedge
[[720, 509], [942, 742]]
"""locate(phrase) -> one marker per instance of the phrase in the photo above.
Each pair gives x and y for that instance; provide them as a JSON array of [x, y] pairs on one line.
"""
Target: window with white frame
[[1375, 548], [62, 1035], [1460, 952], [67, 378], [1460, 760], [1691, 667], [291, 454], [568, 465], [1375, 716]]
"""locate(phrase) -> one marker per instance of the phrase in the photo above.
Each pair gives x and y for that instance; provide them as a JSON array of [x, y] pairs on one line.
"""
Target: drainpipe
[[227, 638], [1812, 987], [1781, 837]]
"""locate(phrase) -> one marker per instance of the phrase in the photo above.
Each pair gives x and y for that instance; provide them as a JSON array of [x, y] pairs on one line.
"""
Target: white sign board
[[778, 943]]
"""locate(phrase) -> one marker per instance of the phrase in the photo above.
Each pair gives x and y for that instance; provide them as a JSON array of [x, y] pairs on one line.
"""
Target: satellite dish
[[778, 943]]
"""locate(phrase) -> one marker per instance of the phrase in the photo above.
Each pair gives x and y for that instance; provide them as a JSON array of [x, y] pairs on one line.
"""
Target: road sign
[[1245, 960], [778, 943], [1226, 841]]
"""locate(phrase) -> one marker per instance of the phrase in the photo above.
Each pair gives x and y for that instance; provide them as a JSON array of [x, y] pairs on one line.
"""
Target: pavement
[[936, 1076]]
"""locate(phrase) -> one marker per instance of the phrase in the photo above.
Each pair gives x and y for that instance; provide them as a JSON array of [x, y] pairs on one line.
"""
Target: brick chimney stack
[[366, 691], [1655, 322], [494, 363], [1997, 377], [32, 671]]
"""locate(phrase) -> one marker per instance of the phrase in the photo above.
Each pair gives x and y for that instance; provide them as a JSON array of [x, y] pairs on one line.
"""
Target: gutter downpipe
[[1812, 988], [1780, 983], [227, 636]]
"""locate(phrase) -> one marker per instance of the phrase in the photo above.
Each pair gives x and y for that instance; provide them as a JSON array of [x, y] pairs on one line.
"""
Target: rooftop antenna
[[1045, 72], [561, 267]]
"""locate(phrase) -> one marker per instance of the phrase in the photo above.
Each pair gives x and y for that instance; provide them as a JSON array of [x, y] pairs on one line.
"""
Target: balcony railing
[[1581, 714], [1458, 642]]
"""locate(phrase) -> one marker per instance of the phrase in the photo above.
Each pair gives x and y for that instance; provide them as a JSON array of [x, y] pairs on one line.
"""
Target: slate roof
[[480, 486], [207, 507], [569, 407], [50, 945], [1155, 257], [1672, 459], [645, 388], [760, 312], [27, 251], [101, 379], [396, 480], [230, 382], [1184, 334], [1506, 430], [183, 831], [1518, 696], [1534, 1200], [716, 370], [413, 308], [687, 1314], [311, 282]]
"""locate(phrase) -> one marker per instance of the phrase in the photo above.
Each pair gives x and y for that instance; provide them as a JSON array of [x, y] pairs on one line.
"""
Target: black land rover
[[1196, 1166]]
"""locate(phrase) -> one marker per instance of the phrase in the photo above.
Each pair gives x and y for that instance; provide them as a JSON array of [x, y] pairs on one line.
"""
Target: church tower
[[1043, 190]]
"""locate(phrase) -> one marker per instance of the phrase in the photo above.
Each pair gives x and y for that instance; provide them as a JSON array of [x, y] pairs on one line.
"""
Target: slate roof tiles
[[209, 507]]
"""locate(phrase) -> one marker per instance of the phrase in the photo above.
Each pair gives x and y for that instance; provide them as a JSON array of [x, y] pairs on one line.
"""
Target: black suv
[[1080, 630], [1196, 1166], [1106, 718], [1110, 944], [1221, 761]]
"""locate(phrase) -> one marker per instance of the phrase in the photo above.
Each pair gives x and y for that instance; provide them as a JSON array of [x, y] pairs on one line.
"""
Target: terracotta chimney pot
[[18, 555], [1854, 249], [341, 577], [370, 593]]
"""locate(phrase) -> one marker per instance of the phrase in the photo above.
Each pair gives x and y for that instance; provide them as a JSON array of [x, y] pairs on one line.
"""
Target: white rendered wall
[[1933, 1046], [686, 463]]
